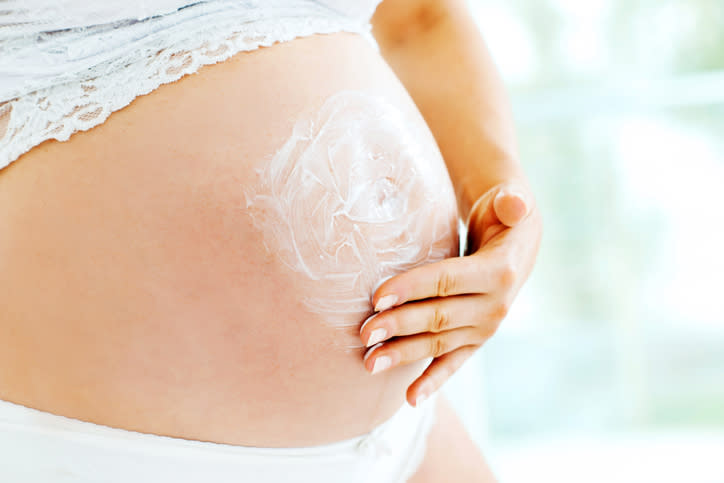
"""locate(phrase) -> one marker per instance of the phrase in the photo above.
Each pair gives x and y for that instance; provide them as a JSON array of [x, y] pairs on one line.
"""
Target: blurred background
[[610, 367]]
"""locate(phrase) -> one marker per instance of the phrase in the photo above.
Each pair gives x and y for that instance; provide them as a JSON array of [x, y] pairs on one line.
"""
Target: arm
[[436, 50], [448, 309]]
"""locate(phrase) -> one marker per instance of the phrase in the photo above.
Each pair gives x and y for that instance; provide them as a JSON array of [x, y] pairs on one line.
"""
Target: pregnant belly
[[199, 265]]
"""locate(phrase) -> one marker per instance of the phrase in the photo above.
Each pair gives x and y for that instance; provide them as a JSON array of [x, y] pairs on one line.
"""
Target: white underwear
[[37, 446]]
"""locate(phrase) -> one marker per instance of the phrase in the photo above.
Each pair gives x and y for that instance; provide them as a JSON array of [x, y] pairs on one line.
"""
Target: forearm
[[438, 53]]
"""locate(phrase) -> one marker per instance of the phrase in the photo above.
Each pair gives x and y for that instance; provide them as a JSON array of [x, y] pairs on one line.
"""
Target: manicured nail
[[507, 191], [420, 399], [367, 320], [520, 195], [515, 191], [381, 363], [370, 351], [376, 336], [385, 303]]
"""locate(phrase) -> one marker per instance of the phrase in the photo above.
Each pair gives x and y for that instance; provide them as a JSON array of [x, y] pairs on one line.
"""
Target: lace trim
[[57, 112]]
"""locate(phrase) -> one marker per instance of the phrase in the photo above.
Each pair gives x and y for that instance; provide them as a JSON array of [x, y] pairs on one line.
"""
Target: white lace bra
[[66, 65]]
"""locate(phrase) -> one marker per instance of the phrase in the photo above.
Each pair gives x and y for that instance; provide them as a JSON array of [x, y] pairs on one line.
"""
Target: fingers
[[413, 348], [446, 310], [437, 373], [452, 276], [492, 231], [504, 206], [434, 316], [510, 205]]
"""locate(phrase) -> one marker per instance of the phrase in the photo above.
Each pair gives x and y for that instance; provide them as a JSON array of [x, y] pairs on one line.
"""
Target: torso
[[143, 285]]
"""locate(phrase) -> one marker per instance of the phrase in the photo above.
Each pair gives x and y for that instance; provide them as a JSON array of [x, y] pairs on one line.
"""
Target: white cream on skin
[[356, 195]]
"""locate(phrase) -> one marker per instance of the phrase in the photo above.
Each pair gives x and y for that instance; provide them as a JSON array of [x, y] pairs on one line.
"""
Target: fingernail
[[500, 194], [519, 194], [376, 336], [420, 399], [367, 320], [507, 191], [381, 363], [385, 303], [370, 351], [380, 282]]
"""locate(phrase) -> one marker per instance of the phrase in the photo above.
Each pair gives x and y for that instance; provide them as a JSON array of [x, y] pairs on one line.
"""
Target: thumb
[[511, 204], [501, 207]]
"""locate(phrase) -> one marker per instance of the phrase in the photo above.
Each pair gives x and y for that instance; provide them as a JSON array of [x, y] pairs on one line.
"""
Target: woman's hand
[[447, 310]]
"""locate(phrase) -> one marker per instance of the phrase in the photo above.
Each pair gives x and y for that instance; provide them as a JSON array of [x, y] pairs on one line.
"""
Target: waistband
[[40, 446]]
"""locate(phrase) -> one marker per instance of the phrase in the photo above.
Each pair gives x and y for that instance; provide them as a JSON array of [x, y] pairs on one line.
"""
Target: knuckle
[[440, 320], [488, 330], [484, 331], [494, 328], [507, 276], [446, 283], [500, 311], [438, 346]]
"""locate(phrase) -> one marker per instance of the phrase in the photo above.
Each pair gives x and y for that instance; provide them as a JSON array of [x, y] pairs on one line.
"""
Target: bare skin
[[99, 361], [134, 293], [447, 310], [451, 454]]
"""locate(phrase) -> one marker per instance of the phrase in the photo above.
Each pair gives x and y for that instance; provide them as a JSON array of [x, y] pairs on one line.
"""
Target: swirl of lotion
[[352, 198]]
